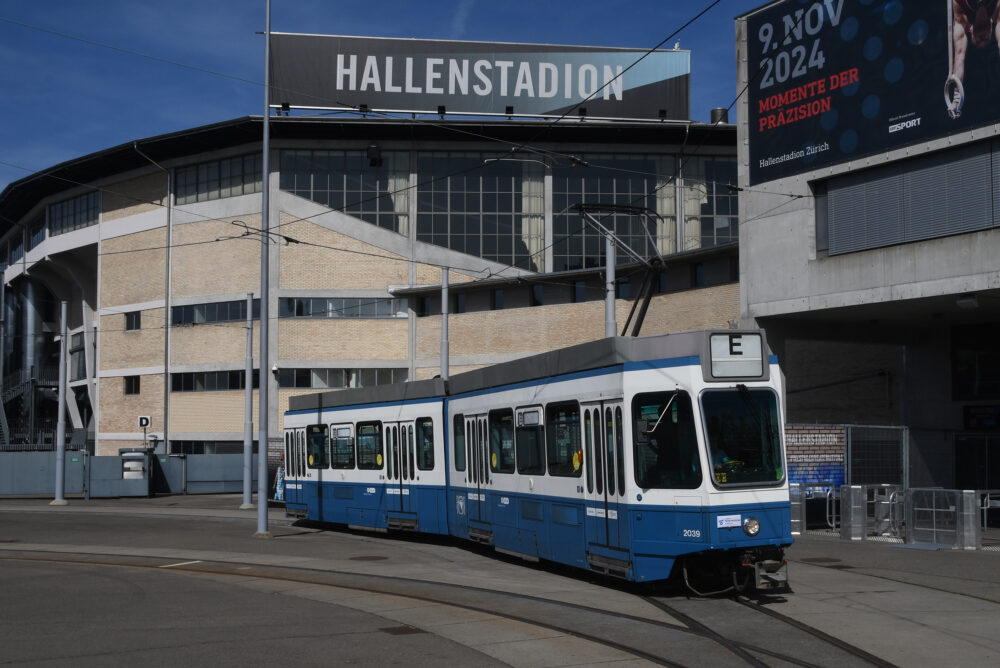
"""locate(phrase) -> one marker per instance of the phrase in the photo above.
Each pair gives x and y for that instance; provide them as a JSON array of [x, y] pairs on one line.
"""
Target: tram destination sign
[[736, 355], [424, 76], [835, 80]]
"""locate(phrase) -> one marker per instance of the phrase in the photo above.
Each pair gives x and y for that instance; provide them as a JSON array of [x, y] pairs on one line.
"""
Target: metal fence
[[877, 455], [943, 517]]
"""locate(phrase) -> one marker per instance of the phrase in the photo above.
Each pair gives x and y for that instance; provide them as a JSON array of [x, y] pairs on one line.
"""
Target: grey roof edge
[[394, 393]]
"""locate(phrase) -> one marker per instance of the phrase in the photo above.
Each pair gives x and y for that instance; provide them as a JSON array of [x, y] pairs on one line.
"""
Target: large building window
[[74, 214], [476, 204], [341, 307], [340, 378], [376, 190], [710, 202], [211, 381], [218, 179], [198, 314], [628, 180], [77, 358]]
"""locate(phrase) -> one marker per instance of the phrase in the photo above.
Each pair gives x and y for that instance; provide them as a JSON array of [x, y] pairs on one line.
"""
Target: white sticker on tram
[[727, 521], [395, 490], [476, 497], [612, 514]]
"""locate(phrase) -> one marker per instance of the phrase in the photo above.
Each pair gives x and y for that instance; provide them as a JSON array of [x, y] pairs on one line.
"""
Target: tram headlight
[[751, 526]]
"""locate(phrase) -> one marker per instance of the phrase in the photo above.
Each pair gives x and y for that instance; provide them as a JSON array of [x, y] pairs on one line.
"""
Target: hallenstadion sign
[[409, 75]]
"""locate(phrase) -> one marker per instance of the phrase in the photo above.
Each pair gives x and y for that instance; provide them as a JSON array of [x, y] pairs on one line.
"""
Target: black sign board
[[835, 80], [424, 76]]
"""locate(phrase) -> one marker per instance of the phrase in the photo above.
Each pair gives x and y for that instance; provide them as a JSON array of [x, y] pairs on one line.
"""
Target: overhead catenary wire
[[523, 146]]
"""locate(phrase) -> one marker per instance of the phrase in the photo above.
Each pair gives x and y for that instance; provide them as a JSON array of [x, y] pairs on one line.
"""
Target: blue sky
[[63, 98]]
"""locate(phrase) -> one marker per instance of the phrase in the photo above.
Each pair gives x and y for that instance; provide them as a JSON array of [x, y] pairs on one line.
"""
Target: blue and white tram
[[626, 456]]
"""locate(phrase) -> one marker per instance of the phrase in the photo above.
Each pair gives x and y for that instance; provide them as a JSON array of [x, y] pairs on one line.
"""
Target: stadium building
[[156, 247]]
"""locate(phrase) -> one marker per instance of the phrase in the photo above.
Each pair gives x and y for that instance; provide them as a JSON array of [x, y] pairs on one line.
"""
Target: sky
[[80, 77]]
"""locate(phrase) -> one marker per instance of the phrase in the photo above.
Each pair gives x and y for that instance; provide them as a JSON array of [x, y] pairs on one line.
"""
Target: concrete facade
[[868, 337]]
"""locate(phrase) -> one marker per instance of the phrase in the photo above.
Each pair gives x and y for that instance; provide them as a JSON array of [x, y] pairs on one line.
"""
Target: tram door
[[477, 456], [295, 445], [605, 466], [399, 445]]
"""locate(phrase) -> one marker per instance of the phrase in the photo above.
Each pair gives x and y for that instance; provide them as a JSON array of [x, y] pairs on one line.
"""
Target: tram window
[[609, 441], [425, 444], [288, 452], [502, 441], [483, 453], [341, 448], [395, 450], [598, 458], [317, 446], [565, 453], [459, 439], [409, 448], [620, 449], [666, 448], [530, 438], [589, 456], [743, 434], [369, 445]]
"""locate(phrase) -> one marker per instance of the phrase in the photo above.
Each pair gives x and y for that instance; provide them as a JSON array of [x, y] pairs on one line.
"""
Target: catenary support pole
[[60, 499], [445, 347], [265, 293], [610, 324], [248, 413]]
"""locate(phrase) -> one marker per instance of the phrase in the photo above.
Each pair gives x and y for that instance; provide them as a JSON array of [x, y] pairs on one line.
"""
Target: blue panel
[[343, 492], [531, 510], [562, 514]]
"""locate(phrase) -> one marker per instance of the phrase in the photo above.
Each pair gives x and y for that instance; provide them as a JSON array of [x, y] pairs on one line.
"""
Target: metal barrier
[[989, 499], [800, 494], [943, 517], [872, 512]]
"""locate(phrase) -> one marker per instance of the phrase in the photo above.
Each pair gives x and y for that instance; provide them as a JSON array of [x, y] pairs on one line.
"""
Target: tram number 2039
[[691, 533]]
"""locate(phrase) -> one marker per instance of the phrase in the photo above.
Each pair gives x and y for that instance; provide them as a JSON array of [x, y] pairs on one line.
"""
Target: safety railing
[[801, 494], [872, 512]]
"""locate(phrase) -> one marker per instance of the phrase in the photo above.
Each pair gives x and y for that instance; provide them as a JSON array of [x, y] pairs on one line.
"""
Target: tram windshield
[[666, 449], [744, 439]]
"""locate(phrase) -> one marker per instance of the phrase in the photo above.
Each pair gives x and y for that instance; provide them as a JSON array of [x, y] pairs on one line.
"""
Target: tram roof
[[598, 354]]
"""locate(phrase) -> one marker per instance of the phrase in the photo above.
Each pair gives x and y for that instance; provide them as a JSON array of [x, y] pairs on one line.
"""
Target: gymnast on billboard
[[971, 20]]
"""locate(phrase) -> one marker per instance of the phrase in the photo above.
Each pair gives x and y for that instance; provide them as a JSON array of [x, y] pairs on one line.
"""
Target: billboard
[[411, 75], [835, 80]]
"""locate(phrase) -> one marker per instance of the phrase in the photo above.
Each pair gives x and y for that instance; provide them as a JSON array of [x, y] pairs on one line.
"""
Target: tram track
[[701, 631]]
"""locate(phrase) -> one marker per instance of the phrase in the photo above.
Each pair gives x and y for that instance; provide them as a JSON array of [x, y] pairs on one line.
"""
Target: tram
[[639, 458]]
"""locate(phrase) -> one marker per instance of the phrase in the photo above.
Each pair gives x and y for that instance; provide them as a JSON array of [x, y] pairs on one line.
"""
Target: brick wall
[[133, 268], [213, 343], [204, 266], [138, 195], [343, 338], [120, 412], [139, 348], [335, 261], [815, 453]]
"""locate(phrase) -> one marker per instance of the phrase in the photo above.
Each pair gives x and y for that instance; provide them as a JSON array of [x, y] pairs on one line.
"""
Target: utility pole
[[248, 413], [265, 292], [60, 499]]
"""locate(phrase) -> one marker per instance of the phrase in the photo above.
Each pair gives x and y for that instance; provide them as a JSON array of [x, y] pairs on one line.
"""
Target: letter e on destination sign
[[737, 355]]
